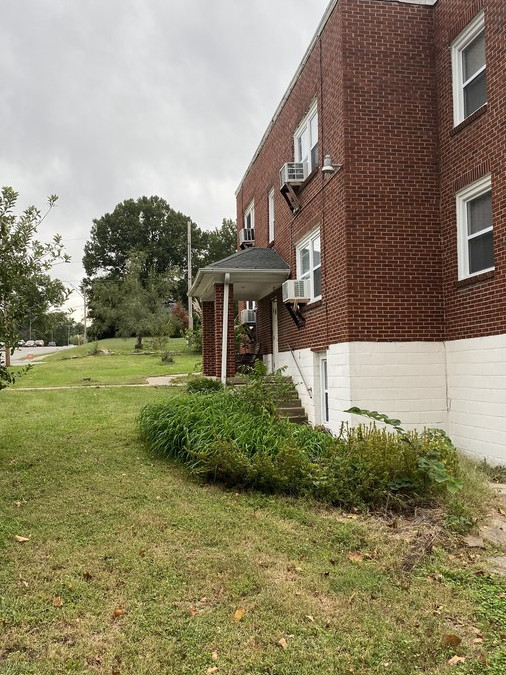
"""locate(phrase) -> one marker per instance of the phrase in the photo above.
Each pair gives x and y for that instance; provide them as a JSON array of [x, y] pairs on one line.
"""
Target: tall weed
[[231, 438]]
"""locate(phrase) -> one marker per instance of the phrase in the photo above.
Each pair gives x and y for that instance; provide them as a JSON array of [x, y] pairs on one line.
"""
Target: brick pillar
[[208, 340], [218, 325]]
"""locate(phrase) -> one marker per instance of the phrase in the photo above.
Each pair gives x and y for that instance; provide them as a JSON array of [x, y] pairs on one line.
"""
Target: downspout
[[224, 333]]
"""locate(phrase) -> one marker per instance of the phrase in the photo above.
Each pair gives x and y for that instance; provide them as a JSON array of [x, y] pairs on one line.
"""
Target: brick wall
[[381, 72], [372, 71], [477, 306], [208, 340]]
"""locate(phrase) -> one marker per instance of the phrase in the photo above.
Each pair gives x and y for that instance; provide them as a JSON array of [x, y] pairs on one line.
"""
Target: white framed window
[[271, 214], [309, 263], [469, 70], [305, 139], [474, 229], [249, 217], [251, 304]]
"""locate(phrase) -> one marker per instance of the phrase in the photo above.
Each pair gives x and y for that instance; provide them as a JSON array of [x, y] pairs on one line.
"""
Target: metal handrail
[[308, 389]]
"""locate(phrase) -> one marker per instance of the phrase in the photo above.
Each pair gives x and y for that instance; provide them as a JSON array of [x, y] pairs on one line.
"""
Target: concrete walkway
[[158, 381], [493, 532]]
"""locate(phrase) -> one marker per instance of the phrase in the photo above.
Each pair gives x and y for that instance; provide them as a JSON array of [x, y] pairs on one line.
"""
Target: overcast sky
[[106, 100]]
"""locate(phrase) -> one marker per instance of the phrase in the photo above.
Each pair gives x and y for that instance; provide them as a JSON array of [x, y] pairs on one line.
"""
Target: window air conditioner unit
[[296, 290], [248, 316], [293, 173], [246, 237]]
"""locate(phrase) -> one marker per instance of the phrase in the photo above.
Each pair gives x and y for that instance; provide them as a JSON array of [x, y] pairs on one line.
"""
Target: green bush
[[227, 437], [203, 385]]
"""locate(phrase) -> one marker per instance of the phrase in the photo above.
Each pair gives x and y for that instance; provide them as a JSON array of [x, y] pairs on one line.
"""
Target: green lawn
[[131, 567], [87, 365]]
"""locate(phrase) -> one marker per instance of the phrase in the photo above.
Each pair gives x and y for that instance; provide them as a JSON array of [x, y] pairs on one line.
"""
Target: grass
[[87, 366], [131, 567]]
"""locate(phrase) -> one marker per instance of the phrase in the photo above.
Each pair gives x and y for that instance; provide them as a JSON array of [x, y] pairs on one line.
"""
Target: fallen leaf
[[482, 659], [455, 660], [118, 612], [311, 618], [239, 613], [21, 539], [212, 669], [478, 641], [451, 640], [352, 597], [283, 643], [355, 557], [214, 656], [57, 601], [192, 611]]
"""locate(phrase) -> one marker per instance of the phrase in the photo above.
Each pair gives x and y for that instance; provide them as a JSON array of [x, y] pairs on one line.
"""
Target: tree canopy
[[25, 285], [148, 236]]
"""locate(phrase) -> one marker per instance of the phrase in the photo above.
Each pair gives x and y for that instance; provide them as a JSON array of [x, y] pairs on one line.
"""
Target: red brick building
[[380, 186]]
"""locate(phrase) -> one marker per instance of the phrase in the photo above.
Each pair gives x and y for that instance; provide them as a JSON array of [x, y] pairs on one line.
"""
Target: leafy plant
[[235, 437], [437, 456], [200, 384]]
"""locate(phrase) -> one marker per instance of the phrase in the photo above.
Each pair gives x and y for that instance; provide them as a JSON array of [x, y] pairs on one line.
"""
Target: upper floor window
[[469, 70], [309, 263], [271, 214], [306, 139], [475, 231], [249, 217]]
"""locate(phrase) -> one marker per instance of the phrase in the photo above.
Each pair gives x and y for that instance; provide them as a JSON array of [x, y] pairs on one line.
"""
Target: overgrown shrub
[[194, 339], [203, 385], [238, 440]]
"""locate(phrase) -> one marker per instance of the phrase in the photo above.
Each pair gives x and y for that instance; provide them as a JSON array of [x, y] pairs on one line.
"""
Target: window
[[249, 217], [474, 225], [271, 215], [309, 263], [469, 70], [306, 139]]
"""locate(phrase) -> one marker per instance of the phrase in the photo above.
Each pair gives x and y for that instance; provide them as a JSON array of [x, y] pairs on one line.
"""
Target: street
[[21, 356]]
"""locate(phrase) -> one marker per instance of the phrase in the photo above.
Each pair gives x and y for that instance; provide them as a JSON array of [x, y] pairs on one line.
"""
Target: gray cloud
[[103, 100]]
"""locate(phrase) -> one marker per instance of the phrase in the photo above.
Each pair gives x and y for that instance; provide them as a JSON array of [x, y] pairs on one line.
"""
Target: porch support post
[[222, 315], [208, 339]]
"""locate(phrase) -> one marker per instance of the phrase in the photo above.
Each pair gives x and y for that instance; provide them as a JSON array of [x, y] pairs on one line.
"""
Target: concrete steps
[[289, 406]]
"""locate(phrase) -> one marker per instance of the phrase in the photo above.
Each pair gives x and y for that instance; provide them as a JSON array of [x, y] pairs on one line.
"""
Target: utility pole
[[189, 259]]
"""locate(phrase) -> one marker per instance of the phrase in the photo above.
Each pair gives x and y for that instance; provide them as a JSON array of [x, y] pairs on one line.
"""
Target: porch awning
[[254, 273]]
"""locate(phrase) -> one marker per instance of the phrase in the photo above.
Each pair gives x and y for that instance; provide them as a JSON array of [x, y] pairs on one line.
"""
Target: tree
[[130, 305], [147, 226], [24, 283], [150, 230], [220, 242]]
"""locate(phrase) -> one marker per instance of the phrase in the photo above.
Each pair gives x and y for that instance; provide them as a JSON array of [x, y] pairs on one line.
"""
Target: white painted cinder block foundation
[[458, 386]]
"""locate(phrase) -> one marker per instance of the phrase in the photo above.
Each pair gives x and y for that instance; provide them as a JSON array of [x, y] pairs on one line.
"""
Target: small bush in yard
[[222, 436], [200, 384]]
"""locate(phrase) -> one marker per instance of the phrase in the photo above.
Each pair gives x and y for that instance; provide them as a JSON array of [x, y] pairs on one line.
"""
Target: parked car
[[21, 343], [39, 343], [30, 343], [51, 344]]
